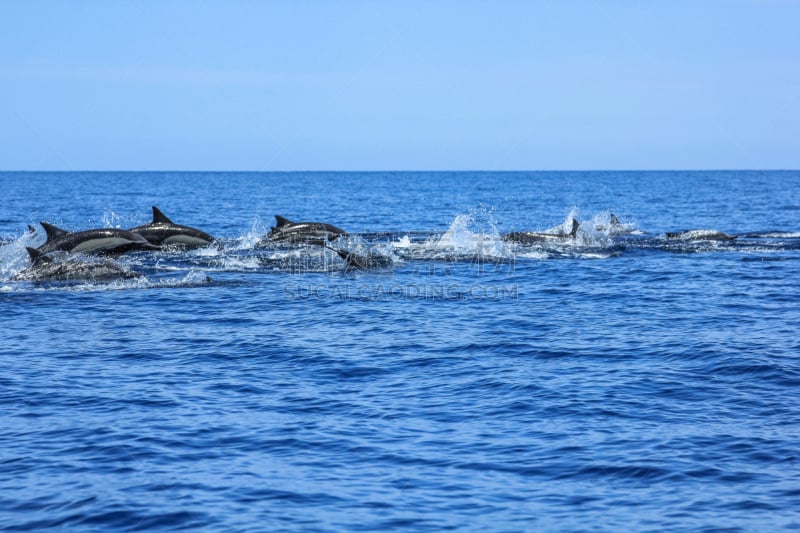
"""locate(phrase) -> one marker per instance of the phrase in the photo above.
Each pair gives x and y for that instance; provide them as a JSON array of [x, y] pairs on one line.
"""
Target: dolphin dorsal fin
[[160, 218], [53, 232], [614, 220], [281, 221], [36, 255], [575, 226]]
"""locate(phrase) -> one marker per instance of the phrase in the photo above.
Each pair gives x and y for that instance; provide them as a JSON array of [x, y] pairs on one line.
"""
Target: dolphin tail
[[160, 218]]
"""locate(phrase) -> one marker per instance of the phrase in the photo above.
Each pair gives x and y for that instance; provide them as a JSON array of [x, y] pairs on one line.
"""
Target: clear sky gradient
[[405, 85]]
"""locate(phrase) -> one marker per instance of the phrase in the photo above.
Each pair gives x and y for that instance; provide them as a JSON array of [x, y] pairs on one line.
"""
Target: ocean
[[622, 379]]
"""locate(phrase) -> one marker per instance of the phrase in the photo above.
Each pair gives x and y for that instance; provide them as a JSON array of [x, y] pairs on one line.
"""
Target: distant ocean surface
[[618, 381]]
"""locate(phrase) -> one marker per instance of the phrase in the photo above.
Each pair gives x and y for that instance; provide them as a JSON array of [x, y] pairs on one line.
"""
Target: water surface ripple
[[621, 381]]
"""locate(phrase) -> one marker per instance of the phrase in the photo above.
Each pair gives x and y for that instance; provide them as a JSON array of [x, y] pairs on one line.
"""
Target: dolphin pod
[[54, 260], [113, 241], [47, 266]]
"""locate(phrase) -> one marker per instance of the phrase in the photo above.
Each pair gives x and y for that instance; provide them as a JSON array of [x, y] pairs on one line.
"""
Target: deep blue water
[[613, 382]]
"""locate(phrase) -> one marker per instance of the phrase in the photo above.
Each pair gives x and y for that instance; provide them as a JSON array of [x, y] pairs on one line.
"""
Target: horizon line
[[375, 171]]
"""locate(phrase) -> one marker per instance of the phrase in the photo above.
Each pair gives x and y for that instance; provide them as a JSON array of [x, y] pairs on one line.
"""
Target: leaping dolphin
[[45, 268], [94, 241], [532, 237], [163, 231], [302, 232]]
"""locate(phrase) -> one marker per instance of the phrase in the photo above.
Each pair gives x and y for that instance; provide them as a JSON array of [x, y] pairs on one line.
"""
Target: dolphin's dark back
[[163, 231], [302, 232]]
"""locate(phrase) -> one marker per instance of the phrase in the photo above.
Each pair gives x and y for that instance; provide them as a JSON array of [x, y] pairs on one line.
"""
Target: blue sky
[[406, 85]]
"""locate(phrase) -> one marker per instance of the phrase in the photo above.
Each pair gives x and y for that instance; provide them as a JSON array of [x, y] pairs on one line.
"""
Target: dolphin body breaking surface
[[71, 268], [366, 261], [163, 231], [615, 227], [699, 235], [93, 241], [533, 237], [301, 232]]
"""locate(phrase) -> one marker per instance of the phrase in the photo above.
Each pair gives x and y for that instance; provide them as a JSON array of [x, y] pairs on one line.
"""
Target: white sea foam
[[473, 233], [14, 257], [403, 242], [258, 230]]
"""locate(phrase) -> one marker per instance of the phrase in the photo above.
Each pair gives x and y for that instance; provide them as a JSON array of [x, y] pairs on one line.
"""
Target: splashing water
[[258, 229], [14, 257], [112, 219], [474, 233]]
